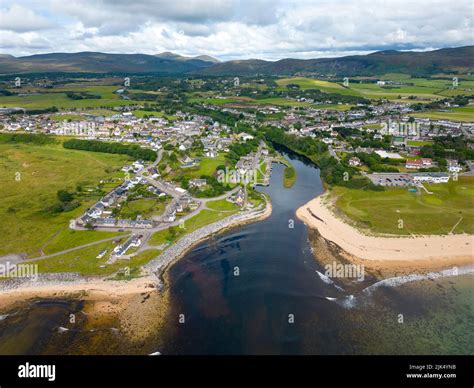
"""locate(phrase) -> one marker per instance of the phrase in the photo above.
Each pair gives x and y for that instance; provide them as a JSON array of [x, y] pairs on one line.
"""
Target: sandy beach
[[422, 252], [138, 305], [90, 289]]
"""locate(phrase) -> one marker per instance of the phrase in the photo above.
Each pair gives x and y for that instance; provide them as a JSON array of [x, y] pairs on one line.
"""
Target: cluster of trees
[[26, 138], [367, 140], [65, 202], [456, 100], [239, 149], [82, 96], [303, 145], [132, 150], [331, 171], [448, 147], [226, 118], [377, 163], [318, 95], [5, 92], [213, 187], [51, 109]]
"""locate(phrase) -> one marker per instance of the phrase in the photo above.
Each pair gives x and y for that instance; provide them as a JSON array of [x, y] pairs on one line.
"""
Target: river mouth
[[256, 290]]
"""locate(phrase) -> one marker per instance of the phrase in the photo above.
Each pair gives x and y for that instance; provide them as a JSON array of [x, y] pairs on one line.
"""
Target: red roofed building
[[419, 163]]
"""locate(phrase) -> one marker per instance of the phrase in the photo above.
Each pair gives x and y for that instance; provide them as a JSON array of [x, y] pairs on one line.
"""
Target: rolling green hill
[[446, 60], [91, 62], [415, 63]]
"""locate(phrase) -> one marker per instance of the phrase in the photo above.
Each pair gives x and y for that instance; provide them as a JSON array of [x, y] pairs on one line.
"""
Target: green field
[[146, 207], [340, 107], [280, 101], [427, 89], [85, 262], [463, 114], [57, 97], [261, 171], [25, 223], [142, 113], [421, 213], [207, 166], [66, 117], [309, 83], [222, 205], [217, 101], [203, 218], [419, 143], [67, 238]]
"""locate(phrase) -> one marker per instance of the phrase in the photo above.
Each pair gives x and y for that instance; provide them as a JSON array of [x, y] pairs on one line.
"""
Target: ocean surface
[[258, 289]]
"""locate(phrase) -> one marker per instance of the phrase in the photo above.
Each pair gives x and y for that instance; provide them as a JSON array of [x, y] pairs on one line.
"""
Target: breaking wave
[[399, 280], [350, 301]]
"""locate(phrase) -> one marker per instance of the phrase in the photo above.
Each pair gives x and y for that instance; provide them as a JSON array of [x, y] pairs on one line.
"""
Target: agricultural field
[[448, 210], [374, 91], [339, 107], [280, 101], [66, 117], [219, 101], [57, 97], [309, 83], [462, 114], [30, 176], [142, 113], [422, 88]]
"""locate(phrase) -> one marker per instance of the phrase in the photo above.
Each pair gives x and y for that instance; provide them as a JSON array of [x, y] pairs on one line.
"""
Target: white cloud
[[22, 19], [232, 29]]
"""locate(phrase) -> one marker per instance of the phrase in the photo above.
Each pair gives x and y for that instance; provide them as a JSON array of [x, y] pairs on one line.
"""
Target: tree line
[[132, 150]]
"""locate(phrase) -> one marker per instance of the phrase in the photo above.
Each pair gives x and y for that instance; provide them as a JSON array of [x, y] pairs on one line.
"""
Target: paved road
[[74, 249]]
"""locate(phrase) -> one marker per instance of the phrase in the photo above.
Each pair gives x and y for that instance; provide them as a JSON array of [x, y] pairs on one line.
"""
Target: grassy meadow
[[449, 209], [30, 176]]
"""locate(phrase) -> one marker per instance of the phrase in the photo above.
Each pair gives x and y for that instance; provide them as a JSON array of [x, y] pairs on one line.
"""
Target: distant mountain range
[[205, 58], [460, 59]]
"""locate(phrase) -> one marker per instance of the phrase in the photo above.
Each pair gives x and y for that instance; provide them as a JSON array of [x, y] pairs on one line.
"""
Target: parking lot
[[391, 179]]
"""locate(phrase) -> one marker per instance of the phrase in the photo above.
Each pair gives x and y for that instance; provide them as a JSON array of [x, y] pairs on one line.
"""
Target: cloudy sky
[[228, 29]]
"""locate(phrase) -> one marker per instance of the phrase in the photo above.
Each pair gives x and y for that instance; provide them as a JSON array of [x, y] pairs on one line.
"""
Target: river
[[256, 290]]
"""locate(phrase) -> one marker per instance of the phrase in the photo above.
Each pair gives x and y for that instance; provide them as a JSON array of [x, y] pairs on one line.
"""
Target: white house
[[244, 136], [430, 177], [354, 161], [453, 166]]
